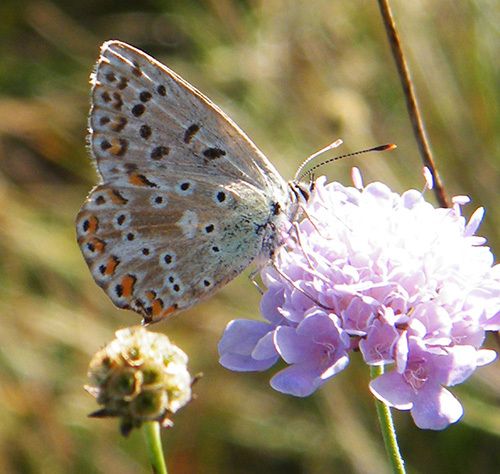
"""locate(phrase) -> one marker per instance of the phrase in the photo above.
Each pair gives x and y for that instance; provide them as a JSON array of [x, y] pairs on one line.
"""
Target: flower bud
[[139, 376]]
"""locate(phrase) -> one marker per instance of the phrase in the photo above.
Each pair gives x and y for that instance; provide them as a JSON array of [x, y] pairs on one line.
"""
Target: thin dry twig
[[411, 101]]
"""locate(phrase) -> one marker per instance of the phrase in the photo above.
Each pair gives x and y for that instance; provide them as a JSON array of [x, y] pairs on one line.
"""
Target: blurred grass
[[295, 76]]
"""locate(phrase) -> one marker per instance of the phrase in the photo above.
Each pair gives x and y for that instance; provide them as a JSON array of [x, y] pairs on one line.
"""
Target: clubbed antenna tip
[[387, 147]]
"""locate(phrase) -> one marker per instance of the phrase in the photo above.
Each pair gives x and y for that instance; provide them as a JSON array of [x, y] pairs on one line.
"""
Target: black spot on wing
[[213, 153], [191, 131], [157, 153]]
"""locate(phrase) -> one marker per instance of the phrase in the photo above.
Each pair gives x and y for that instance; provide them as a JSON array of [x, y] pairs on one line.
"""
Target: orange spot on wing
[[94, 244], [111, 265], [116, 197], [93, 224], [127, 284], [156, 312], [150, 295], [140, 180], [100, 245], [156, 307], [118, 124], [118, 146], [136, 179], [169, 311]]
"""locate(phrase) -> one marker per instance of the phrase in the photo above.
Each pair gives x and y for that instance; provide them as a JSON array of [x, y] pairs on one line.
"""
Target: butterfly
[[185, 202]]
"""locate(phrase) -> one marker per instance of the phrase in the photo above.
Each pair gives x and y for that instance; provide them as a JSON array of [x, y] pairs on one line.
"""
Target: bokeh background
[[295, 75]]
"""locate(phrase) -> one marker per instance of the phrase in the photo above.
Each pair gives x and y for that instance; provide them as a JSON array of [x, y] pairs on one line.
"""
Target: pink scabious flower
[[388, 275]]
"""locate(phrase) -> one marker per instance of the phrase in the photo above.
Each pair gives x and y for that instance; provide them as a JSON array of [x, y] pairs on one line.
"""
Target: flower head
[[419, 385], [139, 376], [390, 275]]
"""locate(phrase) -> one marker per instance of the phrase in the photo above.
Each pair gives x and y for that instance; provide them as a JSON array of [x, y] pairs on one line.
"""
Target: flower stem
[[411, 101], [151, 430], [387, 428]]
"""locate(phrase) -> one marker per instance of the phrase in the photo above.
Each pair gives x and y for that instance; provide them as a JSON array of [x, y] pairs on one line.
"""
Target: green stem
[[387, 428], [151, 431]]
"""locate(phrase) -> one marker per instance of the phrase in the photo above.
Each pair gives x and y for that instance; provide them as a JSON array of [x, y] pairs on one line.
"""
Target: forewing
[[145, 118]]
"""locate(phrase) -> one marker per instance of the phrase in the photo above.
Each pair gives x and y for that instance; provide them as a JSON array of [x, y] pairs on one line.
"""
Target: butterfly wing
[[186, 200], [145, 115]]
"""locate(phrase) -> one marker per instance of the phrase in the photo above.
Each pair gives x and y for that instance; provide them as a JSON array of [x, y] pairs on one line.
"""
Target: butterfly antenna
[[387, 147], [335, 144]]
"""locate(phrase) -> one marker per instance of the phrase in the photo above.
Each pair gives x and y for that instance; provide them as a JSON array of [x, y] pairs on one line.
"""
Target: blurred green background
[[295, 75]]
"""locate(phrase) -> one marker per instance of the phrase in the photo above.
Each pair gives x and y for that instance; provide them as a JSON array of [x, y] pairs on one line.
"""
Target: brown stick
[[411, 101]]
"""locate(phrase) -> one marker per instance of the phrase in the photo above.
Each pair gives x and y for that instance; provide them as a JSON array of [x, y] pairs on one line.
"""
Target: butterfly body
[[186, 201]]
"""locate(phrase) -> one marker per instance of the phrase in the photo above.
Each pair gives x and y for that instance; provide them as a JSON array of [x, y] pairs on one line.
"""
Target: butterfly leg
[[252, 277], [297, 287], [299, 240]]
